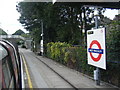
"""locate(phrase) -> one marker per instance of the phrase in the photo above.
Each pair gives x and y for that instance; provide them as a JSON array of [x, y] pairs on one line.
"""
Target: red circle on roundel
[[99, 56]]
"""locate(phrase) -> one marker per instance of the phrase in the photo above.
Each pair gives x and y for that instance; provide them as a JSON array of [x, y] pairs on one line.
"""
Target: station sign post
[[96, 49]]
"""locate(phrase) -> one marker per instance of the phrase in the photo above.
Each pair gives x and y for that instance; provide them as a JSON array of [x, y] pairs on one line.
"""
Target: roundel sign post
[[96, 50]]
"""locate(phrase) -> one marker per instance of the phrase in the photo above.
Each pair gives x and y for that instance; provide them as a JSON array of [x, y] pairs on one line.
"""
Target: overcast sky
[[9, 16]]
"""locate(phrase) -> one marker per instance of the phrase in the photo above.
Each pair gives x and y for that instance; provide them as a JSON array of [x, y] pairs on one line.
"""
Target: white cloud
[[9, 16]]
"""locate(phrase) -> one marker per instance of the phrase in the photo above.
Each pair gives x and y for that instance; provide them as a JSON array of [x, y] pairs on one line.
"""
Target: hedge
[[71, 56], [76, 58]]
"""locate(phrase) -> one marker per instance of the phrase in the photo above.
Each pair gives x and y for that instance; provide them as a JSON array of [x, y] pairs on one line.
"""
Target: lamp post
[[97, 71], [42, 42]]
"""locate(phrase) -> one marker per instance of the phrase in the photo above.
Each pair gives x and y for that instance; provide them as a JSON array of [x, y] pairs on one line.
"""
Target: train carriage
[[10, 76]]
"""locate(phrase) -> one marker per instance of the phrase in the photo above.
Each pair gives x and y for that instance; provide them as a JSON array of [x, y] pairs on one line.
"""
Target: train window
[[3, 52], [5, 67], [6, 72]]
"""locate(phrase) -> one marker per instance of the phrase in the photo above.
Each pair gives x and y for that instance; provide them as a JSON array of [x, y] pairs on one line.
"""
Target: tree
[[2, 32], [18, 32], [113, 39], [62, 21]]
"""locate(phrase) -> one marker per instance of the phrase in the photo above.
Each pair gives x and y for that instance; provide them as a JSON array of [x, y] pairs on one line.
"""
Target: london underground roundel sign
[[99, 50], [96, 48]]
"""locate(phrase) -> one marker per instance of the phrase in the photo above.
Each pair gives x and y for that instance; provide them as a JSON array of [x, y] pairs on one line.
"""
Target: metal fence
[[12, 36]]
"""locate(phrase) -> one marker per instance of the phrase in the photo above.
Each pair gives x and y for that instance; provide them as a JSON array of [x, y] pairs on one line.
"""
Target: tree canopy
[[2, 32], [62, 21], [18, 32]]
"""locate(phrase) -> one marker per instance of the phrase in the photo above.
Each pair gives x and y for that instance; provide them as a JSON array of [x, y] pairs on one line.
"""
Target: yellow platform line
[[27, 72]]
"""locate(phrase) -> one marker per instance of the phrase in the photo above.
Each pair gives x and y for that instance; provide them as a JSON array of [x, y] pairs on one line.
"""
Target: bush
[[76, 58], [112, 74], [54, 50], [73, 57]]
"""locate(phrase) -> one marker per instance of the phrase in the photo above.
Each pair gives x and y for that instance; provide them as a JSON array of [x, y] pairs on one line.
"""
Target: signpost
[[96, 50]]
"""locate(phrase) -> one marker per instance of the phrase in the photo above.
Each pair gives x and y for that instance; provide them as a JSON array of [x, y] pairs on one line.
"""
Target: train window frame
[[14, 62], [10, 69], [16, 59]]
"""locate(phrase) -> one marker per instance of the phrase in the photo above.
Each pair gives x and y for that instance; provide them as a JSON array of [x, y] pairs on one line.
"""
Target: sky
[[9, 16]]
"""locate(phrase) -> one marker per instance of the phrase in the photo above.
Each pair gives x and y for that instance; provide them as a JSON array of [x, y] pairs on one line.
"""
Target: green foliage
[[18, 32], [2, 32], [73, 57], [113, 45], [113, 40], [54, 50], [112, 74], [61, 21], [67, 55]]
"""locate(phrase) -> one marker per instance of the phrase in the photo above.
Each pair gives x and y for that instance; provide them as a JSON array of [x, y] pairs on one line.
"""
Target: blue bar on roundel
[[99, 51]]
